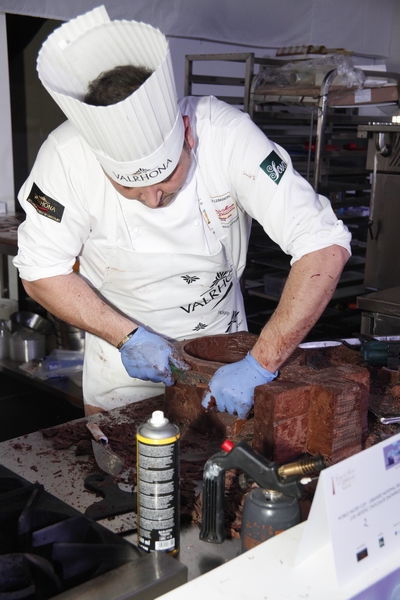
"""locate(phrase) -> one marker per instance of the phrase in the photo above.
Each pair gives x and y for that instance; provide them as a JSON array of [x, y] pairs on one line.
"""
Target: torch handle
[[212, 522]]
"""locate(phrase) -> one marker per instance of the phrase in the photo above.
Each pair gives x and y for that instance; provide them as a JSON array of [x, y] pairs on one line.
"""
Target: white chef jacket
[[237, 174]]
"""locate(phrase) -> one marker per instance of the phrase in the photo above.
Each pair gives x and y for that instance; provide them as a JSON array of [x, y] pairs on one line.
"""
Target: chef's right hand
[[149, 357]]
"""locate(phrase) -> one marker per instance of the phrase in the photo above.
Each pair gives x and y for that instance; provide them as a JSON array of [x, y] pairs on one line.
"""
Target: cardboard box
[[373, 95]]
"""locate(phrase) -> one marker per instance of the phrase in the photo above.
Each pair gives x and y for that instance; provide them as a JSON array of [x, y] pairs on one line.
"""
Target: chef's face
[[161, 194]]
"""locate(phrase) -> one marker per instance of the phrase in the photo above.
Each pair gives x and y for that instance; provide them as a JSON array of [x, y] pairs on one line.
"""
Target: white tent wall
[[369, 28], [362, 26], [6, 162]]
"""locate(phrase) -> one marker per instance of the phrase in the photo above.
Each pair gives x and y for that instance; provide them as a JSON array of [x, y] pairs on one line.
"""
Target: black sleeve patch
[[45, 205]]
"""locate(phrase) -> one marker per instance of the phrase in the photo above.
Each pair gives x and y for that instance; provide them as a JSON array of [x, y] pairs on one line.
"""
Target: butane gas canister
[[158, 499], [265, 514]]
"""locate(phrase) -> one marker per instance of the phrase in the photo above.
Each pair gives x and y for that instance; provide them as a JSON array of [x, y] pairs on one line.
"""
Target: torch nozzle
[[303, 466]]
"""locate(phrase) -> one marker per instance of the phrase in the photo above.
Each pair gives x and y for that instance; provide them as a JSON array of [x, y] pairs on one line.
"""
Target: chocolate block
[[205, 355], [290, 438], [361, 376], [224, 425], [280, 419], [318, 404], [335, 416], [209, 353], [182, 401], [325, 414]]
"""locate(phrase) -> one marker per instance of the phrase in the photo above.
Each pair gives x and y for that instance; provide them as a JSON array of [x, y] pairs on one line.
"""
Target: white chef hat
[[139, 140]]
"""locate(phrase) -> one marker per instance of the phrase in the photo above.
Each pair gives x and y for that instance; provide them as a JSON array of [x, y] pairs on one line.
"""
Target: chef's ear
[[188, 132]]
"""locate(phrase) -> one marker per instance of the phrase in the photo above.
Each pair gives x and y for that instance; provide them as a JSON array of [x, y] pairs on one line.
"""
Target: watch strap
[[126, 338]]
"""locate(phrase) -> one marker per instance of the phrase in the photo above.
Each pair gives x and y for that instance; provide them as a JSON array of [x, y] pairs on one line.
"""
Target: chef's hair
[[115, 85]]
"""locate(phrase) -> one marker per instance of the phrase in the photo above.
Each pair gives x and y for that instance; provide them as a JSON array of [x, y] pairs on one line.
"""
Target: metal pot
[[27, 345], [67, 336], [24, 320]]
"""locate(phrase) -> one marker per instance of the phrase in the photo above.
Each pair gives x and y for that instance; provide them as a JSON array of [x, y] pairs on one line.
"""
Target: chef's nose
[[151, 196]]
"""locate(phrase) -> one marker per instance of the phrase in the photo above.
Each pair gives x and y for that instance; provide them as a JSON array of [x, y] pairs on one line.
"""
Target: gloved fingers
[[167, 378], [176, 359], [207, 400], [218, 389], [164, 371], [243, 407], [225, 402], [234, 401], [176, 366], [148, 356], [215, 397], [158, 376], [231, 390], [137, 369], [211, 400]]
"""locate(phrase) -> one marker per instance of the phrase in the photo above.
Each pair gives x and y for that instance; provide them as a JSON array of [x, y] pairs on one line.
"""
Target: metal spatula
[[106, 459]]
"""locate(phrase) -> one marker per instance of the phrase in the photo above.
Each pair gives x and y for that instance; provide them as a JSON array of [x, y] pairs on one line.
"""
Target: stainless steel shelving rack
[[238, 84], [318, 126], [291, 113], [318, 114]]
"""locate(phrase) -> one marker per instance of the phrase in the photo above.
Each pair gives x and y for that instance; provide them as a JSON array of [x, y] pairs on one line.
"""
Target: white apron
[[179, 296]]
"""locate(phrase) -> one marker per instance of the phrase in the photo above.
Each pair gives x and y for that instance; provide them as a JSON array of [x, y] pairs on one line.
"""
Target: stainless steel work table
[[62, 474], [216, 571], [62, 387]]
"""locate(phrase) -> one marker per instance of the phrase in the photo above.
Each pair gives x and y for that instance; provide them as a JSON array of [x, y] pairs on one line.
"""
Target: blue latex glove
[[232, 386], [149, 357]]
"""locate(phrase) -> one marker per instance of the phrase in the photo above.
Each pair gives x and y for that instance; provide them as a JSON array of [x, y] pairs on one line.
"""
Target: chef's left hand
[[232, 386]]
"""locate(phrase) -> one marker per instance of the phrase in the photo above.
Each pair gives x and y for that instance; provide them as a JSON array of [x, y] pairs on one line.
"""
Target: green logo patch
[[274, 167]]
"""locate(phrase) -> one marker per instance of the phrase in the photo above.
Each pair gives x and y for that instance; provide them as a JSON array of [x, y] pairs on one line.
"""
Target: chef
[[156, 199]]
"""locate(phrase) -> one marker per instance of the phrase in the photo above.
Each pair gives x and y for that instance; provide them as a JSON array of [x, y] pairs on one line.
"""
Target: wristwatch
[[126, 338]]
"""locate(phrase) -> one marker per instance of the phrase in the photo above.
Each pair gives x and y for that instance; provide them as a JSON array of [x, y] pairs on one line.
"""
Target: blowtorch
[[268, 509]]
